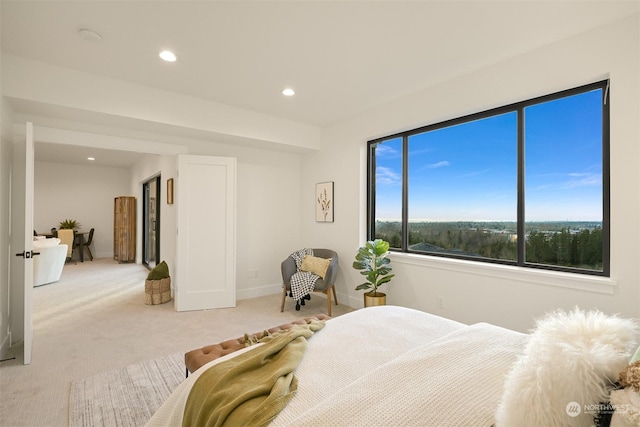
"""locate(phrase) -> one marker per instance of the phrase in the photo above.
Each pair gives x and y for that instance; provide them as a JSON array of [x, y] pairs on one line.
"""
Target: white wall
[[6, 155], [148, 167], [84, 193], [268, 183], [268, 206], [474, 293], [268, 214], [268, 211]]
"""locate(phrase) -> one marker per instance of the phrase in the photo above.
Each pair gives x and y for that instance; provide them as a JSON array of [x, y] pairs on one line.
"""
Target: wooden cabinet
[[124, 229]]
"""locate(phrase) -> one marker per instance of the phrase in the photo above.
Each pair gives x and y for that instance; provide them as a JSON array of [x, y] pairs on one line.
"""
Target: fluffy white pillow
[[568, 364], [46, 243]]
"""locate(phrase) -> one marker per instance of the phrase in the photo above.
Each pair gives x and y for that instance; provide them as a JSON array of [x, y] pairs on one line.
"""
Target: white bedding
[[389, 365], [456, 380], [354, 344]]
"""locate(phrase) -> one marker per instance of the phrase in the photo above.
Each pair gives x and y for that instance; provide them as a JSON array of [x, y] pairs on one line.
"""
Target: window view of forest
[[570, 244], [524, 184]]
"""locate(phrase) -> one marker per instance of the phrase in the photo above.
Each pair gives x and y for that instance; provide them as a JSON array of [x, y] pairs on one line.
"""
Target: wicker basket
[[157, 291]]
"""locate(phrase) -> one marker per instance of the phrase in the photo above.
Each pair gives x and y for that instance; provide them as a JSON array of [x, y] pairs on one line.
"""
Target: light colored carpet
[[94, 320], [127, 396]]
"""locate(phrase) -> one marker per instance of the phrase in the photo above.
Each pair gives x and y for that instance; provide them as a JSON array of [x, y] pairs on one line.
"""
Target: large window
[[526, 184]]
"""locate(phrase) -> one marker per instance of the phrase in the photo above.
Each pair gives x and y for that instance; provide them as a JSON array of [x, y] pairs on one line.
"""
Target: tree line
[[575, 244]]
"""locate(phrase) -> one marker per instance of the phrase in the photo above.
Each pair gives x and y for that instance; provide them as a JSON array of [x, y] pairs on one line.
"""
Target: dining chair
[[67, 237], [86, 245]]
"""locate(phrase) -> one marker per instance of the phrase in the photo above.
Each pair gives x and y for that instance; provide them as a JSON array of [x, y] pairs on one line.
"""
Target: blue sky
[[468, 172]]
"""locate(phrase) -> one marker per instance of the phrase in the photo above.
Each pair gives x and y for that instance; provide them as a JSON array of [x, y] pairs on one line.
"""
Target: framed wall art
[[324, 202]]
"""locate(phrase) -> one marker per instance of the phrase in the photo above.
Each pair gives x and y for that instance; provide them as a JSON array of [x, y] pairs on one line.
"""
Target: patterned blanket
[[302, 282]]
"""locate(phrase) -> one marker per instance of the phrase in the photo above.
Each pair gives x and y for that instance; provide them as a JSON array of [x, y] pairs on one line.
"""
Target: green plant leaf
[[372, 261], [381, 247], [384, 270], [359, 265], [69, 224], [385, 279]]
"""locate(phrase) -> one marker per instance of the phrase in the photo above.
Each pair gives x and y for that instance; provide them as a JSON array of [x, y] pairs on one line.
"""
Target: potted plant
[[373, 263], [69, 224]]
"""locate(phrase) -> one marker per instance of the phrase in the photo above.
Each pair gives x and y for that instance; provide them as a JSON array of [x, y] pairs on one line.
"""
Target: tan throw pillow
[[315, 265]]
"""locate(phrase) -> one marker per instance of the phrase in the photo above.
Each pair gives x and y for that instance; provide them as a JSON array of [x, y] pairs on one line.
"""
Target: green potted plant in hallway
[[69, 224], [372, 262]]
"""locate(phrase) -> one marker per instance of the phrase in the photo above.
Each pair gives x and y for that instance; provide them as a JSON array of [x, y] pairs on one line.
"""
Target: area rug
[[127, 396]]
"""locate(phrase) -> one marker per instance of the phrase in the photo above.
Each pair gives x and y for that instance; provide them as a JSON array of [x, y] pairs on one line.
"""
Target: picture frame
[[324, 201], [170, 191]]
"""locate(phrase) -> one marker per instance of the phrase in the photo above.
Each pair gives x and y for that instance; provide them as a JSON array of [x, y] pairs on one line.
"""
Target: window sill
[[583, 282]]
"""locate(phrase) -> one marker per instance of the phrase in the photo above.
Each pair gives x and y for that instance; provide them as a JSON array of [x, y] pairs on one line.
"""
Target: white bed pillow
[[46, 243], [568, 364]]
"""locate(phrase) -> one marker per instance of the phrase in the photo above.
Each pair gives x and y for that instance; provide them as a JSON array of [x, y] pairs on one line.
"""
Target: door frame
[[21, 244], [145, 219]]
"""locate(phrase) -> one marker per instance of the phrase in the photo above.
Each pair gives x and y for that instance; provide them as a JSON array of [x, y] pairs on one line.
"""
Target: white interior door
[[205, 195], [21, 269]]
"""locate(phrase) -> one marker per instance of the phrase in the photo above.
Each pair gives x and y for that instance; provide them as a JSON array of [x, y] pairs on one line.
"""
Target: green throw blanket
[[252, 388]]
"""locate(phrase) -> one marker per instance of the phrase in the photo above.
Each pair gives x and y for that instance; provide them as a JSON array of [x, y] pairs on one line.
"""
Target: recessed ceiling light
[[288, 92], [90, 35], [91, 158], [168, 56]]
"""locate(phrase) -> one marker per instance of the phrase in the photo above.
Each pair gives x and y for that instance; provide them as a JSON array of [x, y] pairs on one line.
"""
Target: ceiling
[[74, 154], [341, 57]]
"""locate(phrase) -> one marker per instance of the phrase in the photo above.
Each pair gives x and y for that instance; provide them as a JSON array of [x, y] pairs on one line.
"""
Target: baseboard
[[4, 348], [352, 301], [259, 291], [108, 254]]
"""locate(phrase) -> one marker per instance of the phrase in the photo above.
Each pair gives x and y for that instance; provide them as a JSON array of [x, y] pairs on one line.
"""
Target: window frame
[[518, 107]]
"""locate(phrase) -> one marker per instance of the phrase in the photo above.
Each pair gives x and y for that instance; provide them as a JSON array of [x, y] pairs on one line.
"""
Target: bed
[[395, 366], [388, 365]]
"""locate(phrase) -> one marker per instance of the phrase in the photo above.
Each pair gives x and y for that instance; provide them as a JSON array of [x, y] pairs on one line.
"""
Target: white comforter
[[387, 365]]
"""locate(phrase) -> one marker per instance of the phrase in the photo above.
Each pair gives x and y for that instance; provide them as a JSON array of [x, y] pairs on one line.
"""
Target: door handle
[[28, 255]]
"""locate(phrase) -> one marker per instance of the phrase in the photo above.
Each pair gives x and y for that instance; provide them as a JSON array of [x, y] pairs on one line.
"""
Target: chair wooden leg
[[90, 254], [328, 292], [335, 296], [284, 295]]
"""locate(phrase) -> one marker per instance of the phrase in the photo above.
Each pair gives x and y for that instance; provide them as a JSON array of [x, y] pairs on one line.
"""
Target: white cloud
[[386, 150], [475, 173], [386, 176], [582, 180], [439, 164]]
